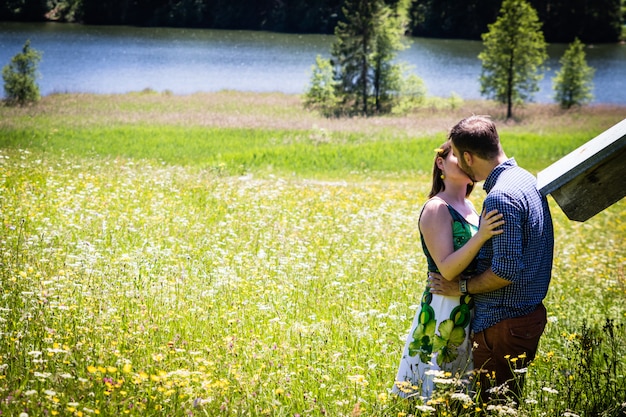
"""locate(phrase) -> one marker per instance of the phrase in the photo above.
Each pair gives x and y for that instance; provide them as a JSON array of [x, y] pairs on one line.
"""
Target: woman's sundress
[[439, 336]]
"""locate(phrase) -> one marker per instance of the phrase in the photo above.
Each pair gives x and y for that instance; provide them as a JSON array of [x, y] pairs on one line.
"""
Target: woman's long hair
[[437, 183]]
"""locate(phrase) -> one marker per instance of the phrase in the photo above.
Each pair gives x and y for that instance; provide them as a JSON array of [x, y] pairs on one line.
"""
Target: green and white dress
[[439, 336]]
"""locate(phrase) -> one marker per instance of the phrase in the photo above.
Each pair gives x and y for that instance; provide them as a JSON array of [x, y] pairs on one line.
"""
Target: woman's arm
[[436, 227]]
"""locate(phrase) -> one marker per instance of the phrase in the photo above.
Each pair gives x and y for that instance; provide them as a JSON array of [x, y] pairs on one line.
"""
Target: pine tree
[[573, 83], [365, 78], [352, 53], [515, 50], [321, 93], [19, 77]]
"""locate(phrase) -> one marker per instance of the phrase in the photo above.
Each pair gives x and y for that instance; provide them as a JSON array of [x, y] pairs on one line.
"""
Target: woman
[[451, 239]]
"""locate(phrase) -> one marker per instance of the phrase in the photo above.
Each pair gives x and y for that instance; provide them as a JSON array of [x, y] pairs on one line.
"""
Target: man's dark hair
[[476, 135]]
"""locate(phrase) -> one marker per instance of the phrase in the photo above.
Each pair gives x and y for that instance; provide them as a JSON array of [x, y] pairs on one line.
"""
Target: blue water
[[104, 60]]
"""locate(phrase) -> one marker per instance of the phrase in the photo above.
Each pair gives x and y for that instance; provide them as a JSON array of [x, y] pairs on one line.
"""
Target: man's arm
[[482, 283]]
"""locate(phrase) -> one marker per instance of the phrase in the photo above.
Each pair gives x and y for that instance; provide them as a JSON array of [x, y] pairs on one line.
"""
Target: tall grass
[[236, 151], [138, 283]]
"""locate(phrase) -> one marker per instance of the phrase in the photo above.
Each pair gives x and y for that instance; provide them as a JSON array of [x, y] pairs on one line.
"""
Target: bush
[[19, 77], [321, 94], [573, 83]]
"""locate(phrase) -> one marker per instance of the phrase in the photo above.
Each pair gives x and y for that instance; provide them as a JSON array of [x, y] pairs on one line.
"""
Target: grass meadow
[[230, 254]]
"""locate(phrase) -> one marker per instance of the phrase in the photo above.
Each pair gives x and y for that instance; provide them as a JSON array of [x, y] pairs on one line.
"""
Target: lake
[[112, 59]]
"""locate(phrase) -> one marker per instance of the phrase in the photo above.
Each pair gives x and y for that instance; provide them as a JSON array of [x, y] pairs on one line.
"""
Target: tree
[[365, 78], [590, 21], [515, 50], [352, 52], [19, 77], [573, 83], [389, 39], [321, 93]]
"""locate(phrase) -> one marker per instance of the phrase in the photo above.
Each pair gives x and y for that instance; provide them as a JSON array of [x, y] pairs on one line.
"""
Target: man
[[514, 268]]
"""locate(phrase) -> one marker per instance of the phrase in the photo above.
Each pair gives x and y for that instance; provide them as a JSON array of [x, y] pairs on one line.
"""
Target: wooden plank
[[591, 178]]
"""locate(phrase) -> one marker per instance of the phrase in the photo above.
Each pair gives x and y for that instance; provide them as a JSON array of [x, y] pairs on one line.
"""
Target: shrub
[[19, 77], [573, 83]]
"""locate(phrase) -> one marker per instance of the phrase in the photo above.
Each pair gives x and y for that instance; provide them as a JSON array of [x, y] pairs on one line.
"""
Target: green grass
[[240, 151], [142, 274]]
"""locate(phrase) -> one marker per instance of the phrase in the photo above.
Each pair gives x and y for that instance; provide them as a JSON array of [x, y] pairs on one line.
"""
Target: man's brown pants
[[505, 347]]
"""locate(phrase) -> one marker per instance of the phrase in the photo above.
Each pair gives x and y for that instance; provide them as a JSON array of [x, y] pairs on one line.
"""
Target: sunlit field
[[135, 285]]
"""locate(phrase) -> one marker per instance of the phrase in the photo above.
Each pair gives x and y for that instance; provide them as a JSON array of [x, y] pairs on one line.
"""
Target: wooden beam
[[591, 178]]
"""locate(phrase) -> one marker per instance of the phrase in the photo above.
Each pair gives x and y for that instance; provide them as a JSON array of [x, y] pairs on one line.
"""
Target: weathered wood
[[591, 178]]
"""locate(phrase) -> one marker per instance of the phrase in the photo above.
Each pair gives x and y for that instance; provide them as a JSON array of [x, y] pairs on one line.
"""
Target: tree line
[[362, 77], [591, 21]]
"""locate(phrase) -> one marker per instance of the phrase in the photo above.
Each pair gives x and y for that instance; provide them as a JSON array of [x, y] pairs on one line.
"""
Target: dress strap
[[456, 216]]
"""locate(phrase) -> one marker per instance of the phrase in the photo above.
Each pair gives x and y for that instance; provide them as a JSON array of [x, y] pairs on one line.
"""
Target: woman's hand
[[489, 222], [440, 285]]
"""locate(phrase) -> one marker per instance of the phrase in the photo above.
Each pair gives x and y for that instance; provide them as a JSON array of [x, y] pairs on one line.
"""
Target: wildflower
[[426, 408], [502, 410], [550, 390], [128, 368], [436, 373], [358, 379], [444, 381], [521, 370], [568, 414], [464, 398], [382, 397], [92, 369]]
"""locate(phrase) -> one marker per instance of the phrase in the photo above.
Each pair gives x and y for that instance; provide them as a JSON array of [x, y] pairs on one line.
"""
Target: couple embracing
[[481, 313]]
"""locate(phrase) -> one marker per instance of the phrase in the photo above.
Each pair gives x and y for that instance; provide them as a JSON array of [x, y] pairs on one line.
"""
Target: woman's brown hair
[[437, 183]]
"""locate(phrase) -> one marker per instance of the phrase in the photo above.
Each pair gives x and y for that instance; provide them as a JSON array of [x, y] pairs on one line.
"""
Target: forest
[[592, 21]]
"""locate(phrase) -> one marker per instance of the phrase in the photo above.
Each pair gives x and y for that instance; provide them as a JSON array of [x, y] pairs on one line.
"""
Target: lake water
[[104, 59]]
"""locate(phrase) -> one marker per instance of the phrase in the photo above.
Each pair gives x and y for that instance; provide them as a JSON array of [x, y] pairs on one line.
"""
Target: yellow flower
[[92, 369], [128, 368]]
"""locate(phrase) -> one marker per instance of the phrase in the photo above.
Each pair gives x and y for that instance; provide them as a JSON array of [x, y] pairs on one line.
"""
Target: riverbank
[[238, 133], [235, 109]]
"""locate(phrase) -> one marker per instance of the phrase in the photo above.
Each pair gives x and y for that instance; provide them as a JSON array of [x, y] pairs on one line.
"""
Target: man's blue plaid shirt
[[522, 254]]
